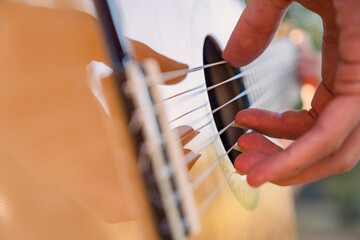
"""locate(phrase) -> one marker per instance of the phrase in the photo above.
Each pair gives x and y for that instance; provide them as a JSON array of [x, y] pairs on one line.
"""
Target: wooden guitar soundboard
[[68, 161]]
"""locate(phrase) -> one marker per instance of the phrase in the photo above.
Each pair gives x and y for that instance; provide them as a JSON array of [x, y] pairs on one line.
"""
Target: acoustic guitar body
[[61, 93], [179, 31]]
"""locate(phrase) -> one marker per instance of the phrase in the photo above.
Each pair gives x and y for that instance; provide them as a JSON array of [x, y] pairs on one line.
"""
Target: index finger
[[254, 30]]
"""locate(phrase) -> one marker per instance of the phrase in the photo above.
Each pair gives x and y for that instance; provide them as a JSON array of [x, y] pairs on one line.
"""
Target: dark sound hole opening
[[223, 94]]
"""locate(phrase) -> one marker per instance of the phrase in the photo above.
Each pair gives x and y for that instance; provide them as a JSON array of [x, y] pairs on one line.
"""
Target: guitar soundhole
[[223, 94]]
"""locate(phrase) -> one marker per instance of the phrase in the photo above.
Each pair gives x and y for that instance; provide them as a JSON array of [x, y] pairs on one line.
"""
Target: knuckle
[[347, 88]]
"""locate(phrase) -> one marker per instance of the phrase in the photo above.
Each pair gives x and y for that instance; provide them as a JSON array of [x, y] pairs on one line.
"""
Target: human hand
[[328, 135]]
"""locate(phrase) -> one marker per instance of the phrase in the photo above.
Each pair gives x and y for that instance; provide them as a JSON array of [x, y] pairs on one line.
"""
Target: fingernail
[[240, 126], [237, 148]]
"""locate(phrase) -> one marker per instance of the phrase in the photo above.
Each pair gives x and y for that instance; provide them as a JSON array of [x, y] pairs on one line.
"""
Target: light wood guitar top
[[68, 166]]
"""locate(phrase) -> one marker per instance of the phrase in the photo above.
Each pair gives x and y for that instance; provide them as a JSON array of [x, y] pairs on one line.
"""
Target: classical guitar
[[134, 99]]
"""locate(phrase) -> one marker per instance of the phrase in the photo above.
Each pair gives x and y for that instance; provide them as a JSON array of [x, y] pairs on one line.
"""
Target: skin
[[327, 137]]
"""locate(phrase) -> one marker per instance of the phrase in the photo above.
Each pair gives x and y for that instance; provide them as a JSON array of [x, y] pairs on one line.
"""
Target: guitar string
[[134, 119], [197, 180], [165, 76], [212, 139], [189, 112], [215, 192], [185, 92], [247, 72], [229, 125], [206, 204], [257, 103], [178, 73], [206, 172], [235, 77], [194, 94], [251, 69], [248, 91], [241, 94]]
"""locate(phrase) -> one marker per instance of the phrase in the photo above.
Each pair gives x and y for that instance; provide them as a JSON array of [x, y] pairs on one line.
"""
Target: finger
[[257, 142], [254, 30], [190, 157], [336, 123], [246, 160], [256, 147], [348, 74], [185, 134], [330, 53], [330, 57], [348, 20], [340, 162], [322, 97], [290, 124], [143, 52]]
